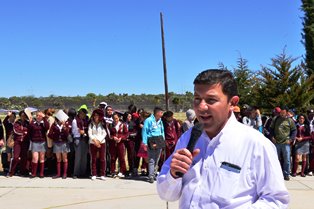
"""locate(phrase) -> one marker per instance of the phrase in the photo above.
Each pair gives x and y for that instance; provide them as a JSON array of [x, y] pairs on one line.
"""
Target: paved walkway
[[17, 192]]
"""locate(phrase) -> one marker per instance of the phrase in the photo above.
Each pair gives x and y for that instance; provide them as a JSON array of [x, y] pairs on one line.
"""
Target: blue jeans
[[284, 151]]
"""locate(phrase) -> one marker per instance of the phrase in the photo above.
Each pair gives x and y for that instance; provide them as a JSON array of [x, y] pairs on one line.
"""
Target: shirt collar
[[229, 126]]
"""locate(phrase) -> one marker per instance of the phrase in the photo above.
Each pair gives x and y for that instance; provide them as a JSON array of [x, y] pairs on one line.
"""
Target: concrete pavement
[[19, 192]]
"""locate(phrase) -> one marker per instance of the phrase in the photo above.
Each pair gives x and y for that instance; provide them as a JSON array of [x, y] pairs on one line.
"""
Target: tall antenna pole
[[164, 61]]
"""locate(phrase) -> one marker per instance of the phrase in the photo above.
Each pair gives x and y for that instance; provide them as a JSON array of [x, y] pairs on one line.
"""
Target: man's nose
[[203, 105]]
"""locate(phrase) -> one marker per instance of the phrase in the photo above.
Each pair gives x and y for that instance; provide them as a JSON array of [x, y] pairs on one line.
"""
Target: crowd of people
[[74, 143], [293, 136], [98, 145]]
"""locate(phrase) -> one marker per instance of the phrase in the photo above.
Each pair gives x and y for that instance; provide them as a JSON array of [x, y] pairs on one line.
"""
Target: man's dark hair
[[157, 109], [132, 108], [168, 114], [216, 76]]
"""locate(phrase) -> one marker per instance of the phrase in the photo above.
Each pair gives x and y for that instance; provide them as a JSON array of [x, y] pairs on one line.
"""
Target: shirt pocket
[[225, 186]]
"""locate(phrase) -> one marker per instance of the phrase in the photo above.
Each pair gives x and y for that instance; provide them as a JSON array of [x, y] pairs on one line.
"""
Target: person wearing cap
[[37, 133], [102, 105], [189, 122], [283, 133], [21, 143], [276, 111], [59, 132], [153, 136], [97, 133], [231, 165]]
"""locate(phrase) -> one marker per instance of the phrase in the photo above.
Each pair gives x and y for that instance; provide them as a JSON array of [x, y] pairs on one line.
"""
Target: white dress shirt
[[210, 184]]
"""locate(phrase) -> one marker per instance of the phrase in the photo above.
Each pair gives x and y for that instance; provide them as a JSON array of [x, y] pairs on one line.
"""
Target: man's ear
[[234, 101]]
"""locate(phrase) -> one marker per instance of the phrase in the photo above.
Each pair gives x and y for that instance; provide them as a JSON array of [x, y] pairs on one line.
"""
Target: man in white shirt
[[232, 165]]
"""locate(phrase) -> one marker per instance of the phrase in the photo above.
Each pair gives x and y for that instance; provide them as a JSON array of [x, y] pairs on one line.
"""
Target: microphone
[[196, 132]]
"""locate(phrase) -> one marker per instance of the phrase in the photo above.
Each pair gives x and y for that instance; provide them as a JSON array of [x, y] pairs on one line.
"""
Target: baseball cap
[[277, 110], [236, 109], [103, 104]]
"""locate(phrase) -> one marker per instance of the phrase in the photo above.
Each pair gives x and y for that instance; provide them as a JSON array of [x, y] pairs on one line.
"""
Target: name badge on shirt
[[230, 167]]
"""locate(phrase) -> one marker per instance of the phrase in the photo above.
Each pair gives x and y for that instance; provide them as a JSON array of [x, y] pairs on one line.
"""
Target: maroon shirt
[[172, 130], [7, 126], [37, 131], [121, 133], [20, 130], [58, 135], [304, 132], [82, 124]]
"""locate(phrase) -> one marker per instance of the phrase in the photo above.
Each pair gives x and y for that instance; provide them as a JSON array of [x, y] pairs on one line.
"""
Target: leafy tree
[[176, 101], [308, 35], [5, 103], [281, 84], [245, 81], [92, 98]]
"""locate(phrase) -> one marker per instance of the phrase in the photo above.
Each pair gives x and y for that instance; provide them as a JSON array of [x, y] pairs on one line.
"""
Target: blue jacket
[[152, 128]]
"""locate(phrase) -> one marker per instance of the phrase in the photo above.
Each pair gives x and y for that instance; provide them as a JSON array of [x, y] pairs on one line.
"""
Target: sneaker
[[120, 175], [103, 178], [143, 173], [93, 178], [310, 173], [151, 180], [9, 175], [287, 178], [56, 176]]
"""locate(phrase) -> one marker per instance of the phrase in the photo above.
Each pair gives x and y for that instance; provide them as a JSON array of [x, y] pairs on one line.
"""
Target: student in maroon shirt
[[172, 134], [118, 134], [21, 144], [37, 135], [130, 141], [59, 132]]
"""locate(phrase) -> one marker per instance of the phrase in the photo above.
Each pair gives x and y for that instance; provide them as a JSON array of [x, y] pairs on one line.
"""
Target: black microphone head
[[198, 128], [196, 132]]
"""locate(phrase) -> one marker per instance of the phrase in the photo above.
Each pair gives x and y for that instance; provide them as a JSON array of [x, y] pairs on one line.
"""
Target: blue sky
[[73, 47]]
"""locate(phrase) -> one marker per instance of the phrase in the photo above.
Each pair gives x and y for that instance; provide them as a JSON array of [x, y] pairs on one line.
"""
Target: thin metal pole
[[164, 61]]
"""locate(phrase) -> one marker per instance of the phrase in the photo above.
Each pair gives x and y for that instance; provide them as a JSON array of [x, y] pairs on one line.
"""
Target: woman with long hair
[[302, 144], [97, 132]]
